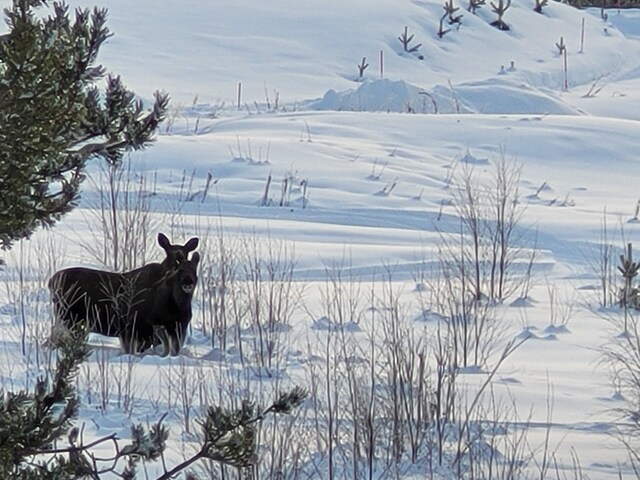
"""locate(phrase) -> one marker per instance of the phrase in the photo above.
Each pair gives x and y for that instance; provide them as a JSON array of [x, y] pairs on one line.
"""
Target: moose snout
[[188, 285]]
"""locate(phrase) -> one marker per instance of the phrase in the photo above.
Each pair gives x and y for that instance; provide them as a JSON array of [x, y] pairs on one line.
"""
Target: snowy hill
[[273, 139], [207, 49]]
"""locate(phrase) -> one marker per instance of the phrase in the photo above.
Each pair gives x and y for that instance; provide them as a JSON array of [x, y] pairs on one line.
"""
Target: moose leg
[[128, 342], [161, 337], [176, 344], [177, 337]]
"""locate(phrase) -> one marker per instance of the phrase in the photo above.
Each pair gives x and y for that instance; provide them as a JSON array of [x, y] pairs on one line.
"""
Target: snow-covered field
[[372, 165]]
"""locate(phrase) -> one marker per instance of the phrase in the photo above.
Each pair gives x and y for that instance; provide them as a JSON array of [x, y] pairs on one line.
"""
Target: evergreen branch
[[229, 436], [55, 451]]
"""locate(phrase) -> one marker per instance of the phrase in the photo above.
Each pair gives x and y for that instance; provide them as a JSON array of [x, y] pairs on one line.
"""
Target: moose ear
[[163, 241], [192, 244], [195, 258]]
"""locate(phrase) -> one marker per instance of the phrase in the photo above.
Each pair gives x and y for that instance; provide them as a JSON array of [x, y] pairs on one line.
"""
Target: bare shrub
[[473, 405], [499, 8], [348, 378], [489, 248], [562, 304], [470, 326], [270, 299], [411, 392], [24, 280], [219, 283], [405, 39], [341, 295], [121, 216], [622, 356], [495, 445], [601, 261]]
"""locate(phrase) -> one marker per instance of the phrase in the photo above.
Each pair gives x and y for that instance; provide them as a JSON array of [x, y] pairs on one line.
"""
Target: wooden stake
[[566, 80]]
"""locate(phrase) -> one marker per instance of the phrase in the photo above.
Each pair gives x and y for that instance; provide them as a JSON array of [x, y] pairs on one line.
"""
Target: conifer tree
[[54, 118]]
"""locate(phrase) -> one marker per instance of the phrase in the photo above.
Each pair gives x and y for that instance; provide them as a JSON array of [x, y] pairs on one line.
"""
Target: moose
[[144, 308]]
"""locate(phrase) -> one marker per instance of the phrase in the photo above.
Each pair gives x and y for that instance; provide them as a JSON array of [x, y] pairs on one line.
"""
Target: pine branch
[[54, 119], [55, 451], [32, 421], [230, 435]]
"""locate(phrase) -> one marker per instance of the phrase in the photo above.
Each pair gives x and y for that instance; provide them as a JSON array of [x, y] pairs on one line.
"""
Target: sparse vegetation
[[405, 39], [475, 5], [622, 355], [561, 46], [629, 271], [441, 30], [485, 252], [451, 17], [540, 4], [362, 67], [380, 406], [451, 10], [499, 8], [34, 423], [412, 368]]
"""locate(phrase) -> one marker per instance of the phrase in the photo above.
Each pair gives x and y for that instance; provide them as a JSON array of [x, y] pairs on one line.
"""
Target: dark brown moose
[[144, 308]]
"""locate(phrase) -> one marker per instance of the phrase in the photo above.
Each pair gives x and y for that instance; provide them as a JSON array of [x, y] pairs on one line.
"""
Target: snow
[[378, 163]]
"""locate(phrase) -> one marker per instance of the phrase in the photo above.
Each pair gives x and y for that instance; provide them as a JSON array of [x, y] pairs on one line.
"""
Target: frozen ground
[[377, 162]]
